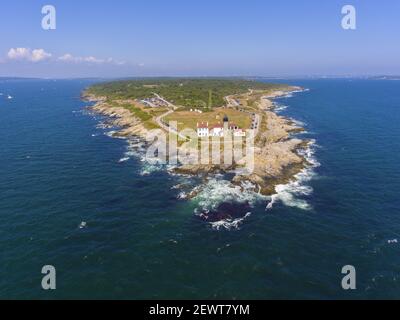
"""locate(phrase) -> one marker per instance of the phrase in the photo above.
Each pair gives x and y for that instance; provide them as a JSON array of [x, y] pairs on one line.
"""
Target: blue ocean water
[[58, 169]]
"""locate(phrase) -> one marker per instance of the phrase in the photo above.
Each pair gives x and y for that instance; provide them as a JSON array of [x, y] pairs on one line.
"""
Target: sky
[[128, 38]]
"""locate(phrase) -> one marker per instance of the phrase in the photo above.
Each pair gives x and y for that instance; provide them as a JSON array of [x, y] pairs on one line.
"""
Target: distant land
[[238, 77], [18, 78]]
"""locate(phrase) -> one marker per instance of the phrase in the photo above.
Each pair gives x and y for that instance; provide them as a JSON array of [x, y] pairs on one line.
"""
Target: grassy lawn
[[144, 114], [187, 119], [137, 111], [249, 101], [186, 92]]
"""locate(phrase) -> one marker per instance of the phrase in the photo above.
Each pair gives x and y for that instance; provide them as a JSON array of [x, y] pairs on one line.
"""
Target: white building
[[202, 129], [216, 131], [239, 133]]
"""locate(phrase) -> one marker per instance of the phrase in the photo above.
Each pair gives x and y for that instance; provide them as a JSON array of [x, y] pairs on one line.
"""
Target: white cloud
[[27, 54], [90, 59], [37, 55], [18, 53], [66, 57]]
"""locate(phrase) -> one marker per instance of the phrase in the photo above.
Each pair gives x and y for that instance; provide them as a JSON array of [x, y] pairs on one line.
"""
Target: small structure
[[233, 126], [202, 129], [239, 133], [216, 131]]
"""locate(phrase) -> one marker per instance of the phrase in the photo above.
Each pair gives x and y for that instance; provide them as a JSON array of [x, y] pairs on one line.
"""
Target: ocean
[[117, 227]]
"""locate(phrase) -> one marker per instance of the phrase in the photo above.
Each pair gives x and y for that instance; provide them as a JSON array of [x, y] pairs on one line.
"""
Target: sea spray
[[289, 193], [225, 205]]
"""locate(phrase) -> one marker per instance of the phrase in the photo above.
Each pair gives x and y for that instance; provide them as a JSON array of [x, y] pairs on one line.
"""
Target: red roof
[[202, 125], [216, 126]]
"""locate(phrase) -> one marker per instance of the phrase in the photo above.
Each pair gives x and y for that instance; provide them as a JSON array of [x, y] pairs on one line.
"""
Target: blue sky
[[122, 38]]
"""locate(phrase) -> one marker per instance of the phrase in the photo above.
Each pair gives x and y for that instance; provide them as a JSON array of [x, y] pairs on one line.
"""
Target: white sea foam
[[286, 193], [82, 225], [291, 93], [111, 133], [216, 191], [182, 195], [148, 169], [124, 159], [289, 193], [150, 165], [103, 125], [137, 148], [309, 153], [229, 224], [298, 123], [280, 107]]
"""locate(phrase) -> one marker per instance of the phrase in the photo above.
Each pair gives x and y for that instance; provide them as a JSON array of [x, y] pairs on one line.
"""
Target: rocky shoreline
[[277, 158], [276, 153], [119, 117]]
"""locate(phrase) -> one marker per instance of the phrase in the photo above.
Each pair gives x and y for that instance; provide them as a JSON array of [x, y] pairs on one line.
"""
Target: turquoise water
[[59, 169]]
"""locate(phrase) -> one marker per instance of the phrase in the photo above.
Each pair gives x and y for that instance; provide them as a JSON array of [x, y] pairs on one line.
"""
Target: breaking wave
[[289, 193], [217, 190], [279, 107], [229, 224], [224, 205], [218, 202]]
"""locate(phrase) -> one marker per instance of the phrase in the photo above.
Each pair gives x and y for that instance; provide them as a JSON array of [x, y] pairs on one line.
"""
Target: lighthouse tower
[[226, 125]]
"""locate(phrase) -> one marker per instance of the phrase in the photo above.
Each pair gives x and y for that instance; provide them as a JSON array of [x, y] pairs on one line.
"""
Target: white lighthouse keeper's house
[[202, 129]]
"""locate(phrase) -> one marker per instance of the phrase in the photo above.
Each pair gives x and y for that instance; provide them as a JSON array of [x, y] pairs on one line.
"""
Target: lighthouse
[[226, 125]]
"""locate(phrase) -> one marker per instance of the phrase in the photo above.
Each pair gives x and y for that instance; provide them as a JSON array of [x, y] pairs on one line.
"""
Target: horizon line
[[204, 76]]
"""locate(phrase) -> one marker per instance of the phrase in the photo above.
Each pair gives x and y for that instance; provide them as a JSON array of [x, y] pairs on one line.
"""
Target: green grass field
[[197, 93], [187, 119]]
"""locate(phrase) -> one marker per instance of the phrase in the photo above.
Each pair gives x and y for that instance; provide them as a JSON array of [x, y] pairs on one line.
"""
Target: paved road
[[257, 121], [165, 101], [168, 128], [232, 101], [257, 118]]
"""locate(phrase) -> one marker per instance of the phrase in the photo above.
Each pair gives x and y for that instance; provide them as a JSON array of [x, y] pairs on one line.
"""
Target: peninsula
[[205, 106]]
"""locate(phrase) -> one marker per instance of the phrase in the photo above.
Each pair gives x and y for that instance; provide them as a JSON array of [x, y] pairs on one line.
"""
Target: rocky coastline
[[276, 151]]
